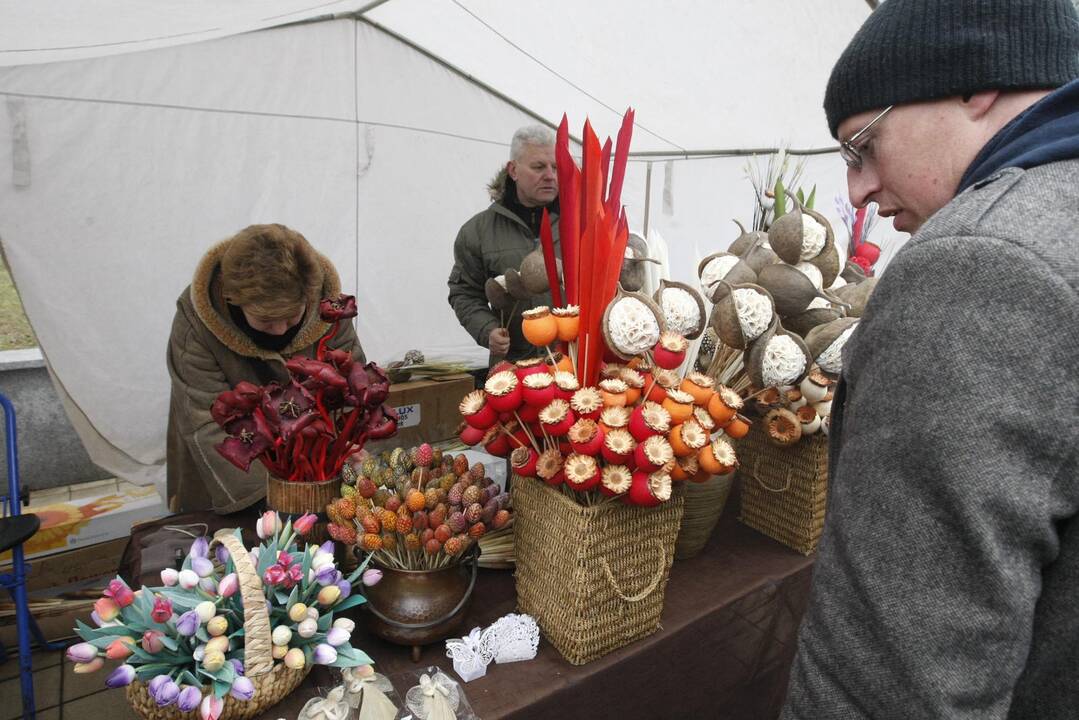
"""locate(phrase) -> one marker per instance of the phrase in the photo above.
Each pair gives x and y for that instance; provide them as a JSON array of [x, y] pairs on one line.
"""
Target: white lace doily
[[512, 638]]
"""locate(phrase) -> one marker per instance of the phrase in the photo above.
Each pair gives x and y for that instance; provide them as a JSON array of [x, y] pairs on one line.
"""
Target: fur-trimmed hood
[[208, 298], [496, 189]]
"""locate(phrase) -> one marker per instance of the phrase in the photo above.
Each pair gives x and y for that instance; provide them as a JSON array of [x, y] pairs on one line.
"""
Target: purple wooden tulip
[[221, 554], [345, 587], [121, 676], [200, 548], [237, 666], [166, 694], [337, 636], [228, 585], [188, 623], [324, 654], [326, 547], [242, 689], [189, 698], [202, 566], [81, 653], [371, 577], [157, 682], [326, 575]]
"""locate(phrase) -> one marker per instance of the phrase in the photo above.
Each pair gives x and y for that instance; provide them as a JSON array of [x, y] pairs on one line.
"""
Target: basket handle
[[649, 589], [785, 488], [258, 652]]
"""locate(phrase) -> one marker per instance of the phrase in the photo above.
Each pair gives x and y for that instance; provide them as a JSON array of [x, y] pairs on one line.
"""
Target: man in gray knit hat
[[947, 582]]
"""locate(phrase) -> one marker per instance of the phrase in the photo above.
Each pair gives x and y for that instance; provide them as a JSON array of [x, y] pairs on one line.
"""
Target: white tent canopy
[[139, 133]]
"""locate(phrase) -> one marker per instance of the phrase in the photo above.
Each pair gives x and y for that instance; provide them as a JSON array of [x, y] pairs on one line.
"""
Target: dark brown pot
[[419, 607]]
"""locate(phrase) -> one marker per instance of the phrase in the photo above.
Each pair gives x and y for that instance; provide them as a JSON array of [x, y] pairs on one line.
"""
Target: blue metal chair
[[15, 529]]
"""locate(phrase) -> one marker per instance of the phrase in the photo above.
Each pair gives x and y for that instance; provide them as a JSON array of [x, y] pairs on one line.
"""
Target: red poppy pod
[[649, 489], [587, 403], [557, 479], [503, 391], [653, 453], [557, 418], [565, 385], [529, 366], [471, 435], [538, 390], [618, 447], [582, 472], [670, 351], [476, 411], [586, 437], [560, 427], [528, 414], [497, 443], [869, 251], [520, 439], [523, 460], [615, 480], [564, 447], [656, 392], [648, 419]]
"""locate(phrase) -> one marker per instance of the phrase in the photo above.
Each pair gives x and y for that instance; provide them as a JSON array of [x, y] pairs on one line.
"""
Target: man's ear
[[511, 170], [977, 105]]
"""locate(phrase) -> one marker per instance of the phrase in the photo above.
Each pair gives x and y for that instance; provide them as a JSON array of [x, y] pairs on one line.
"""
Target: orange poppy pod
[[717, 457], [687, 438], [568, 321], [656, 392], [679, 447], [678, 473], [700, 386], [701, 476], [539, 326], [679, 405], [738, 427], [632, 396], [613, 393]]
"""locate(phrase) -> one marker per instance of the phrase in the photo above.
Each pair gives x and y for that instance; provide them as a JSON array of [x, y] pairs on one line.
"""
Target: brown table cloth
[[724, 649]]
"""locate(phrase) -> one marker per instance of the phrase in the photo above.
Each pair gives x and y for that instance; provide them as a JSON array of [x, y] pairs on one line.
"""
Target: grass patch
[[15, 329]]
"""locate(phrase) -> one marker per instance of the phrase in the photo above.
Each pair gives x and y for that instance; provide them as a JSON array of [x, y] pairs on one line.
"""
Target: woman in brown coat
[[252, 304]]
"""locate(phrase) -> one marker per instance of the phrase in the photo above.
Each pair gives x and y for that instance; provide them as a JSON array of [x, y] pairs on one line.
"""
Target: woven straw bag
[[784, 489], [272, 681], [594, 577], [704, 504]]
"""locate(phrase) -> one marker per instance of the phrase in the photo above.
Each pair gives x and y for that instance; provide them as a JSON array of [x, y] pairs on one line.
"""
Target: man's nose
[[862, 184]]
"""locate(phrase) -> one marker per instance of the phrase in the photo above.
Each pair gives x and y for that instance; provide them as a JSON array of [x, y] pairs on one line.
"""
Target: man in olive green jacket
[[252, 304], [499, 238]]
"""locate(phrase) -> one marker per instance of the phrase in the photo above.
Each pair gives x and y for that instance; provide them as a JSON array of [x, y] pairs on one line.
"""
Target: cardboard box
[[428, 410], [62, 570], [87, 514]]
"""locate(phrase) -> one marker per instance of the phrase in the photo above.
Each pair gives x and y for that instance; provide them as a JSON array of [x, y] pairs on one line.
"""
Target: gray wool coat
[[947, 582]]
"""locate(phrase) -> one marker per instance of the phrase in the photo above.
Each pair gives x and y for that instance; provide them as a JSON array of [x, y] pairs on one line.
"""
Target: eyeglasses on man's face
[[849, 152]]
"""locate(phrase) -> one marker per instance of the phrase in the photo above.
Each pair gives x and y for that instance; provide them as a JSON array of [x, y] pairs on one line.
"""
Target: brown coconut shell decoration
[[853, 273], [534, 273], [688, 332], [857, 295], [785, 237], [497, 295], [739, 273], [632, 274], [516, 287], [821, 337], [803, 322], [791, 290], [754, 249], [753, 358], [643, 344], [724, 319]]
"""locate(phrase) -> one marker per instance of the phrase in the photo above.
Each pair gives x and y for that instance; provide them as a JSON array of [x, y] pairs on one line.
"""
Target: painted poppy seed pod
[[808, 419], [680, 405], [717, 457], [724, 404], [614, 418], [516, 287], [795, 399], [586, 437], [653, 453], [549, 465], [825, 343], [719, 271], [618, 446], [561, 363], [648, 419], [523, 460], [683, 308], [791, 290], [470, 435], [587, 403], [565, 385], [476, 411], [534, 273], [497, 296], [538, 389], [669, 379], [704, 419], [700, 386], [568, 320], [582, 472], [632, 324], [857, 295], [539, 326], [649, 489], [777, 358], [690, 467], [634, 385], [530, 413], [737, 427], [613, 393], [504, 393], [655, 391], [824, 407], [529, 366], [743, 315], [814, 387], [670, 350], [496, 442], [557, 418], [615, 480], [686, 439], [782, 427]]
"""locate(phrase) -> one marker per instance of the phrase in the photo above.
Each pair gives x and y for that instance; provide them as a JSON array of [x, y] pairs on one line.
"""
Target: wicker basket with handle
[[272, 681]]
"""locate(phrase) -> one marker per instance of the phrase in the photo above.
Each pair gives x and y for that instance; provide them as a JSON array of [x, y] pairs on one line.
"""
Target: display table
[[724, 650]]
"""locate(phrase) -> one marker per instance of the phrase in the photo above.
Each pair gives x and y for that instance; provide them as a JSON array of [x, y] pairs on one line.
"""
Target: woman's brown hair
[[271, 270]]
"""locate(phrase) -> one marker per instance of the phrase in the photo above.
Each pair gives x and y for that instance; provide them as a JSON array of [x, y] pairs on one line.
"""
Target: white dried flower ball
[[812, 272], [716, 270], [754, 312], [831, 358], [813, 237], [783, 361], [680, 310], [633, 326]]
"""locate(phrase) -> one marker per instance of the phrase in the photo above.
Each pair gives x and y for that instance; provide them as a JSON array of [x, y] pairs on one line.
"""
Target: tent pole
[[647, 196]]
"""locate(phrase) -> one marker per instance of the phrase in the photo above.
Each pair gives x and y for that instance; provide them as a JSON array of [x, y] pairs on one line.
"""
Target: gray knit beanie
[[915, 50]]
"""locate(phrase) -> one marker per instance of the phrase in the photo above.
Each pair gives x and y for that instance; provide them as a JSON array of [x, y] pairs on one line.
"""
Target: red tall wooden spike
[[569, 215], [547, 241], [605, 159], [621, 157]]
